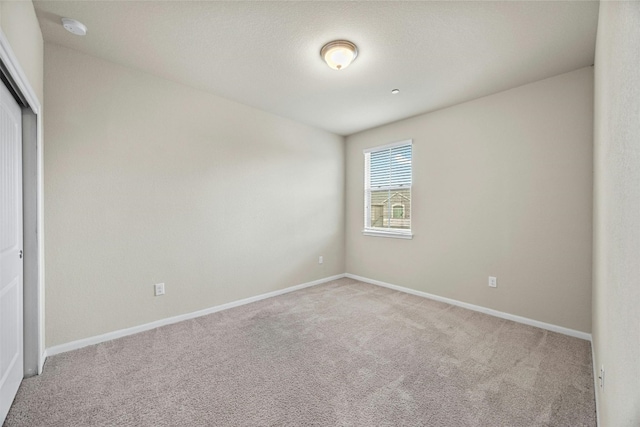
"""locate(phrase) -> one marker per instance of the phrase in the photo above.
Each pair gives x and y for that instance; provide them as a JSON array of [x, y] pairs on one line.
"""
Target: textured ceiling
[[266, 54]]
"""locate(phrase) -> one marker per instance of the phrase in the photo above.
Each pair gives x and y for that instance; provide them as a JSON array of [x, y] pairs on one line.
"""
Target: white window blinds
[[387, 181]]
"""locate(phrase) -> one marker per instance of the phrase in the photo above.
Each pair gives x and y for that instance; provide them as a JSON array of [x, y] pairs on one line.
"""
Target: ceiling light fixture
[[74, 27], [395, 91], [339, 54]]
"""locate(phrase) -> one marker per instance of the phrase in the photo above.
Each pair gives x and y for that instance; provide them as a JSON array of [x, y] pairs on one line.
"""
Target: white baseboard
[[596, 385], [74, 345], [41, 360], [496, 313]]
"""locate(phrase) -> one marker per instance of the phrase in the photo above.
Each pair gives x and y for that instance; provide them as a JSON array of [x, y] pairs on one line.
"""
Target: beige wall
[[20, 25], [616, 284], [148, 181], [502, 187]]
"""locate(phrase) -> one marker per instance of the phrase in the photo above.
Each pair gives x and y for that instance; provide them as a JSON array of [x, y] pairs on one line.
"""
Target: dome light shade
[[339, 54]]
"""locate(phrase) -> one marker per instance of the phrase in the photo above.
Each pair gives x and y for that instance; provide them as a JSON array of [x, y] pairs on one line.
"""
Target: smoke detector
[[74, 27]]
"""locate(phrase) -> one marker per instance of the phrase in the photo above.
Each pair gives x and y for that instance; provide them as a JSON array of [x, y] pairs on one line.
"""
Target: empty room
[[296, 213]]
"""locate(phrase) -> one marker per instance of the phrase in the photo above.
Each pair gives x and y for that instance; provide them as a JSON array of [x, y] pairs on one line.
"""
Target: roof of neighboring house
[[379, 200]]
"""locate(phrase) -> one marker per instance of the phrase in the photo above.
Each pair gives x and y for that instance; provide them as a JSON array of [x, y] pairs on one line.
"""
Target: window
[[387, 190], [397, 211]]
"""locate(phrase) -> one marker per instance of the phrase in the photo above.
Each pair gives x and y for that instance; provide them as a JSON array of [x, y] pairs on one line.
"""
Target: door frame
[[33, 210]]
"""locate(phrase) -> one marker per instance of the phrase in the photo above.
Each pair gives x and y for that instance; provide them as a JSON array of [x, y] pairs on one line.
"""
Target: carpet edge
[[519, 319], [97, 339]]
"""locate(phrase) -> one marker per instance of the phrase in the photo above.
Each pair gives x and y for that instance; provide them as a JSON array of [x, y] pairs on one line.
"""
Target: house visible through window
[[387, 189]]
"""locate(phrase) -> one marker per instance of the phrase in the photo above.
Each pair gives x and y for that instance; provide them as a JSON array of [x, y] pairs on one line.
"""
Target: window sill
[[392, 234]]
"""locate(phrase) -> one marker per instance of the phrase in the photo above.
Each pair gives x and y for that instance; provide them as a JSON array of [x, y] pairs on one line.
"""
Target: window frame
[[387, 231]]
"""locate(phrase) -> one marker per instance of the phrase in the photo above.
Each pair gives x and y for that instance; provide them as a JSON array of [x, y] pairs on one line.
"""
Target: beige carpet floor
[[343, 353]]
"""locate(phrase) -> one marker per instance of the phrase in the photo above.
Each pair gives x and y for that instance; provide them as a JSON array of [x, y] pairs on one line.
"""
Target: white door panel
[[11, 333]]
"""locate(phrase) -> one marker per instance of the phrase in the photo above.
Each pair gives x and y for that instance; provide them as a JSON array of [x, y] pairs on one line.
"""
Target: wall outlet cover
[[493, 282], [158, 289]]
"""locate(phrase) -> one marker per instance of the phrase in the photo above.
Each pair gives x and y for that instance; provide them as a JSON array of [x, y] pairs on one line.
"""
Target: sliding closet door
[[11, 273]]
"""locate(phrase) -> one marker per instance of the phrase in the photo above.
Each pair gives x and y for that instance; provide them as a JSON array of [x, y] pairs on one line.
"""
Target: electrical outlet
[[158, 289], [602, 377], [493, 282], [320, 259]]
